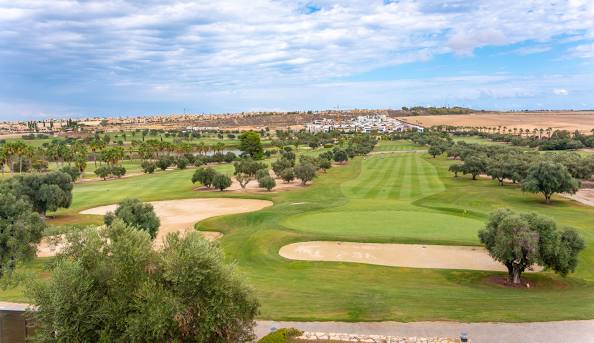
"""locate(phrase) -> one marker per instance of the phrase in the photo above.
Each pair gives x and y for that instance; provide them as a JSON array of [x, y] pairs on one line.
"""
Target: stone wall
[[342, 337]]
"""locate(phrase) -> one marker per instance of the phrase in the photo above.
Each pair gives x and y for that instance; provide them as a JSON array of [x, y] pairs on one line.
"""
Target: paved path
[[580, 331]]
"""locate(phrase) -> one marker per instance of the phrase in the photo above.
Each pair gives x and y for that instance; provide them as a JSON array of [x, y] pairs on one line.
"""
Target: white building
[[371, 123]]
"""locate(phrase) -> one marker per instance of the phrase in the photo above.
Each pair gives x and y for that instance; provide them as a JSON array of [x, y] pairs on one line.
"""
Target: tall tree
[[20, 230], [45, 192], [520, 241], [110, 285], [549, 178], [250, 144]]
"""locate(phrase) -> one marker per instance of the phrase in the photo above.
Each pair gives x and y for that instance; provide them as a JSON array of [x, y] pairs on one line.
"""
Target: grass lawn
[[404, 197], [399, 145]]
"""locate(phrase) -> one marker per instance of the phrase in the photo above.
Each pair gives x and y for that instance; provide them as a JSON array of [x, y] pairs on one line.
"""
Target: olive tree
[[204, 176], [21, 229], [45, 192], [267, 182], [520, 241], [287, 175], [305, 172], [221, 182], [474, 165], [246, 170], [549, 178], [110, 285], [134, 212]]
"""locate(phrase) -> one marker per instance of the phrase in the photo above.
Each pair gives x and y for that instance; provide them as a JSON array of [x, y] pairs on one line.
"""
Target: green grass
[[406, 197], [399, 145]]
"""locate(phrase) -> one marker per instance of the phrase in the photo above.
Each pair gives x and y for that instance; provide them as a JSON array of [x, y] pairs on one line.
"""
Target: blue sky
[[64, 58]]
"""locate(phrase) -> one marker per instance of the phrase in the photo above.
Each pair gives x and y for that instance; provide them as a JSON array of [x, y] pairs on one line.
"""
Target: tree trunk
[[516, 276]]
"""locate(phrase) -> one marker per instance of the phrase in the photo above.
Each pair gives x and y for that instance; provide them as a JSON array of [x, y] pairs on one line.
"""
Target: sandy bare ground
[[394, 255], [583, 195], [253, 187], [179, 216], [582, 121]]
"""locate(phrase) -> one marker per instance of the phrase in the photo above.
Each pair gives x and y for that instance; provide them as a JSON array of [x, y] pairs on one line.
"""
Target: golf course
[[400, 196]]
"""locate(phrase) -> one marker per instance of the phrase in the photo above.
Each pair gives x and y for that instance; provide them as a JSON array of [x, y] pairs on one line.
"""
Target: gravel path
[[580, 331]]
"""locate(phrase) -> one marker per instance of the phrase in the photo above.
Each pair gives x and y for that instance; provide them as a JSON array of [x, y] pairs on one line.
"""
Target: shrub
[[182, 163], [287, 175], [148, 167], [221, 182], [280, 335], [204, 175], [103, 172], [72, 171], [118, 171], [163, 163], [262, 173], [267, 182]]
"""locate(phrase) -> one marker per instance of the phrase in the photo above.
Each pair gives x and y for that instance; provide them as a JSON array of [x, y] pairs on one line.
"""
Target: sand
[[394, 255], [582, 121], [253, 187], [179, 216]]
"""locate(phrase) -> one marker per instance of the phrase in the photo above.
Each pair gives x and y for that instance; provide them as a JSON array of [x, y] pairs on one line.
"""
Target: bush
[[221, 182], [204, 175], [103, 172], [267, 182], [148, 167], [181, 163], [262, 173], [118, 171], [163, 163], [287, 175], [39, 166], [72, 171], [280, 335]]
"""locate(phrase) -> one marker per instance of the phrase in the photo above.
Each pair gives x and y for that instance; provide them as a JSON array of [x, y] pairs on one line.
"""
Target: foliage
[[45, 192], [281, 164], [267, 182], [548, 178], [72, 171], [221, 182], [164, 162], [182, 162], [280, 335], [103, 172], [287, 175], [246, 170], [340, 156], [204, 175], [134, 212], [20, 230], [522, 240], [148, 167], [111, 286], [305, 172], [250, 145]]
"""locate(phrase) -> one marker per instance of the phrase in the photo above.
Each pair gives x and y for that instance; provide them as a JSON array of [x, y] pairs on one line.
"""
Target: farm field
[[571, 121], [401, 198]]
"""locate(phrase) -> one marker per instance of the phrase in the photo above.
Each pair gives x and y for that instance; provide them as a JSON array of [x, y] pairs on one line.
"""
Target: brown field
[[582, 121]]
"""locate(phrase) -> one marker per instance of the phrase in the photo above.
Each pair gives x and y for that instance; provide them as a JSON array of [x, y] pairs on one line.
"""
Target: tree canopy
[[134, 212], [549, 178], [45, 192], [110, 285], [521, 240], [21, 229], [250, 144]]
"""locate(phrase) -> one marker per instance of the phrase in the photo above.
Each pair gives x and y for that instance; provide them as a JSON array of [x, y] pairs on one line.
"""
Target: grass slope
[[405, 197]]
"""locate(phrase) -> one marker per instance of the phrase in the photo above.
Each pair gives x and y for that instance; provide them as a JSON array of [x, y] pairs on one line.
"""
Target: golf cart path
[[394, 255], [179, 216], [581, 331]]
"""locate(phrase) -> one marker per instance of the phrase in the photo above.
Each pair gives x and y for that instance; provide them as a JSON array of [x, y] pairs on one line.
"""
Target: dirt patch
[[395, 255], [253, 187], [571, 121], [179, 216], [583, 195]]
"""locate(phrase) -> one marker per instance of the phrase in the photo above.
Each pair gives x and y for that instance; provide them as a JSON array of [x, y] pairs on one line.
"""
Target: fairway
[[403, 197]]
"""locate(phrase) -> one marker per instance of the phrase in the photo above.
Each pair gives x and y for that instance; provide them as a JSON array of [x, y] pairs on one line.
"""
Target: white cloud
[[204, 46], [560, 91]]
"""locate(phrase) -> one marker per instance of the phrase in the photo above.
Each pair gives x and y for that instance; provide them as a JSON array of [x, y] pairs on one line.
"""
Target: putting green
[[389, 225]]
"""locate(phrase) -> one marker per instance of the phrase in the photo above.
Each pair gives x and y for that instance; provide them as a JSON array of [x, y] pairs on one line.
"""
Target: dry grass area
[[582, 121]]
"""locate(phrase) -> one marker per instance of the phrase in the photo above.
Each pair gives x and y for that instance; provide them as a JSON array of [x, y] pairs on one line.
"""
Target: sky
[[64, 58]]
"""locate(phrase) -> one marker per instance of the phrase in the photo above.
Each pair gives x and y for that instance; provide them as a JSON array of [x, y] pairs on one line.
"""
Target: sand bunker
[[178, 216], [395, 255]]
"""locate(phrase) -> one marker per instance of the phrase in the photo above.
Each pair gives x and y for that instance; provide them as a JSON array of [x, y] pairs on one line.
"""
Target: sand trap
[[394, 255], [178, 216]]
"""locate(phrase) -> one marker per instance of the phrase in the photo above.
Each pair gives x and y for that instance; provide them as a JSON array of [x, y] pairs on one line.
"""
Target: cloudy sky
[[79, 58]]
